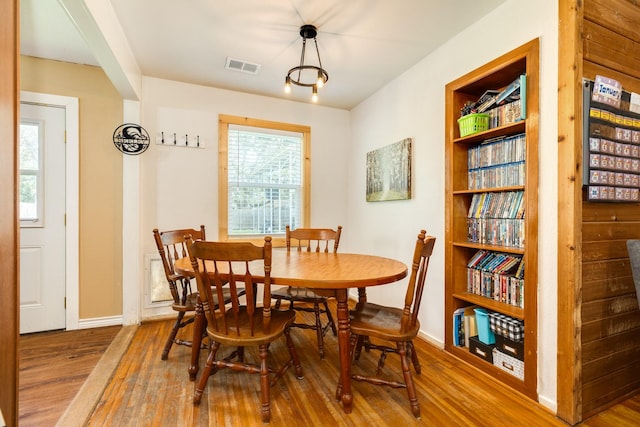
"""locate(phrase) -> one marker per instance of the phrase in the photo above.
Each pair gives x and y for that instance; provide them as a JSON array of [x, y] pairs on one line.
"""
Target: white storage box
[[508, 364]]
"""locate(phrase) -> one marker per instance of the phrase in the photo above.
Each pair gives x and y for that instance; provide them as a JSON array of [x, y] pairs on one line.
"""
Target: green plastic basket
[[473, 123]]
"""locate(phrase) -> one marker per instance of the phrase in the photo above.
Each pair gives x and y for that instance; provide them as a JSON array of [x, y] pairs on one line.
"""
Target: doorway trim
[[72, 197]]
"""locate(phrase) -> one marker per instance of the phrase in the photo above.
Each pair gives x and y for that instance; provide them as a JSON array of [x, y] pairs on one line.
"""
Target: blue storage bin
[[485, 335]]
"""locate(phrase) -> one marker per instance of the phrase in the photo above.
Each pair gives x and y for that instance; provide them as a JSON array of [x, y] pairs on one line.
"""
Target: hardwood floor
[[146, 391], [53, 367]]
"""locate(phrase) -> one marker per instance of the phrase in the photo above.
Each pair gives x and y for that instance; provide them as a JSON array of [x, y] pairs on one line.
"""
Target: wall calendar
[[612, 142]]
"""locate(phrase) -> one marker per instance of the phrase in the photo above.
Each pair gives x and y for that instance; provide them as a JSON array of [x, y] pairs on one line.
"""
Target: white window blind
[[264, 181]]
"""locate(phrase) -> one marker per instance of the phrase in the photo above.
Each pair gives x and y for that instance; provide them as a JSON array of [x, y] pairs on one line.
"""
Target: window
[[31, 175], [263, 178]]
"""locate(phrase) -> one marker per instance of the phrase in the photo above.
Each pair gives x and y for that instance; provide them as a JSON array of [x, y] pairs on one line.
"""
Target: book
[[511, 92], [458, 327], [470, 325], [487, 96], [490, 102]]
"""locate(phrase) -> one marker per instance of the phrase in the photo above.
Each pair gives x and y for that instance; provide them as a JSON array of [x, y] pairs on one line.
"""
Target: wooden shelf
[[458, 197], [478, 246], [506, 130], [513, 382], [509, 310], [490, 190]]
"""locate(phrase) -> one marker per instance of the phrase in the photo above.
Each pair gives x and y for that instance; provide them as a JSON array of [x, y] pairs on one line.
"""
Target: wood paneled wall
[[610, 315], [9, 48], [600, 309]]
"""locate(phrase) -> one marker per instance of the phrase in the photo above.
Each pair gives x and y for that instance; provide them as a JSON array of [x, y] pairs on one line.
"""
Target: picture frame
[[389, 172]]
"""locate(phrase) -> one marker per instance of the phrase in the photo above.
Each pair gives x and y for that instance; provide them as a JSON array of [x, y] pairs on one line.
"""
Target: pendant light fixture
[[307, 75]]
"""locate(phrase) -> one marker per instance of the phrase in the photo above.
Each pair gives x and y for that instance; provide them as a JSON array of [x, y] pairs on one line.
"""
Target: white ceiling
[[364, 44]]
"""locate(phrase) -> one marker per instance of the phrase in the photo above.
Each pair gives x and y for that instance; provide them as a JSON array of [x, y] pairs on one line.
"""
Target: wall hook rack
[[179, 141]]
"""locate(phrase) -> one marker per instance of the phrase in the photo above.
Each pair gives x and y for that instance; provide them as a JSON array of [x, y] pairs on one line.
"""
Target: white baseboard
[[99, 322], [436, 342], [552, 405]]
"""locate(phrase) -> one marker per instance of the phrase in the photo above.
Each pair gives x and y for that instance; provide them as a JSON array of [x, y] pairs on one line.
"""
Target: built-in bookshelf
[[491, 196]]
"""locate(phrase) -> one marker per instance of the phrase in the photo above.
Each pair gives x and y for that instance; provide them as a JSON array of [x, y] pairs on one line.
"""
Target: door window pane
[[28, 197], [31, 178]]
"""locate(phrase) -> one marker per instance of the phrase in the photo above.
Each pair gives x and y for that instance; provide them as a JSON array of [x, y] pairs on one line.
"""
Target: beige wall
[[100, 292]]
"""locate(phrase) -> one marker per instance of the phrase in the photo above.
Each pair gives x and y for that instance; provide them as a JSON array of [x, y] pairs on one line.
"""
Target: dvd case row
[[497, 276], [498, 162], [497, 151], [496, 231], [505, 114], [511, 174], [504, 204]]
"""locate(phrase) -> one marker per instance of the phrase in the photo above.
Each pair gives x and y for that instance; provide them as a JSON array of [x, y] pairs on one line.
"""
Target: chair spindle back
[[228, 264], [314, 239], [171, 247], [415, 288]]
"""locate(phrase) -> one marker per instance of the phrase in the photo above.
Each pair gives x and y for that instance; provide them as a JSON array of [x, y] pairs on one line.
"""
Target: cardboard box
[[508, 364], [480, 349], [510, 347]]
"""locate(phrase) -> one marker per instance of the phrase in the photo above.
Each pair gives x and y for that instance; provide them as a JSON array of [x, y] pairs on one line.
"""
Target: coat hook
[[162, 137], [186, 139], [175, 141], [198, 140]]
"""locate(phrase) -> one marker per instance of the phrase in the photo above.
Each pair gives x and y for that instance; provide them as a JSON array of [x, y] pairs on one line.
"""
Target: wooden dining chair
[[171, 247], [317, 240], [220, 265], [393, 325]]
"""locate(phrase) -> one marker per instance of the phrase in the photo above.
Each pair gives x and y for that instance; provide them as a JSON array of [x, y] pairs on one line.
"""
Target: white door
[[42, 217]]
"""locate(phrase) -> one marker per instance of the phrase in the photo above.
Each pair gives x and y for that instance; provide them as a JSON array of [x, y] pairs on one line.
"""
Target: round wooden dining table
[[331, 274]]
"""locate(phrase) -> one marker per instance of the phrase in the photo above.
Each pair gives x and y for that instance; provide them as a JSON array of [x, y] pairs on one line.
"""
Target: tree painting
[[389, 172]]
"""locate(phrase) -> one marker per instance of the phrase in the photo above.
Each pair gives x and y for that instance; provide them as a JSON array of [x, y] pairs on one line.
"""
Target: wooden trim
[[531, 209], [223, 172], [9, 240], [569, 387], [224, 121], [494, 74]]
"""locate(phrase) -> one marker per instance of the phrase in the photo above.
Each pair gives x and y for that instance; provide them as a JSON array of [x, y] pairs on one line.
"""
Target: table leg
[[198, 330], [343, 392]]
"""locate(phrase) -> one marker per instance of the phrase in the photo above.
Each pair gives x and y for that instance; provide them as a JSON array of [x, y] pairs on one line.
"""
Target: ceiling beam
[[99, 26]]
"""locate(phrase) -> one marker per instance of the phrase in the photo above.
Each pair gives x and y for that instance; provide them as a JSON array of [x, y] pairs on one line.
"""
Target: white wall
[[413, 106], [179, 185]]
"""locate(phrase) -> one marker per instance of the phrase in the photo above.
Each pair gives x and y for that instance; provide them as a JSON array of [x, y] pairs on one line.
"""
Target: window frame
[[224, 121]]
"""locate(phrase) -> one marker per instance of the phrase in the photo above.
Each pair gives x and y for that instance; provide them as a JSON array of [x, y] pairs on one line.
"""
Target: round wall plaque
[[131, 139]]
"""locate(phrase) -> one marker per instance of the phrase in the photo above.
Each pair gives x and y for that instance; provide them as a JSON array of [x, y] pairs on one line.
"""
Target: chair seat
[[192, 299], [297, 294], [280, 320], [382, 322], [189, 305]]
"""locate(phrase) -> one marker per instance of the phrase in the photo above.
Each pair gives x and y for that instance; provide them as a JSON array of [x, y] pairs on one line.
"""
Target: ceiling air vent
[[243, 66]]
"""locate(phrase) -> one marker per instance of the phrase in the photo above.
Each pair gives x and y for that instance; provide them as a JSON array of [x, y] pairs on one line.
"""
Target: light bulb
[[287, 85], [320, 82], [314, 93]]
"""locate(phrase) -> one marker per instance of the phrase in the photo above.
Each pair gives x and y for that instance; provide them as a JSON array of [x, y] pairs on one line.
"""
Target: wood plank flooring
[[53, 367], [146, 391]]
